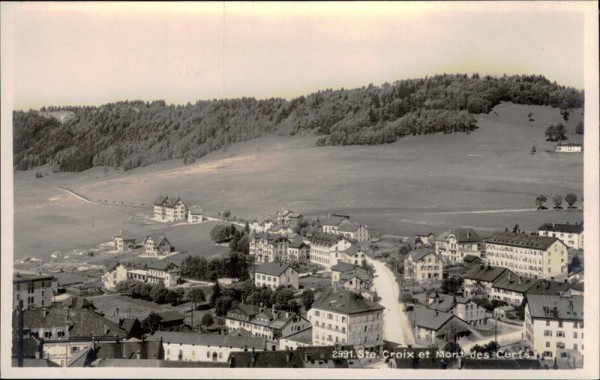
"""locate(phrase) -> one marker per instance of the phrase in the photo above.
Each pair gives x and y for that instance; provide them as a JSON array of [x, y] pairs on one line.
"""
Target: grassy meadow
[[416, 185]]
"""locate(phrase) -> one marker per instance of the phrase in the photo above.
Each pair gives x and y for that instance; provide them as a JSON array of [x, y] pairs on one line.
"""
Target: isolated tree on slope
[[540, 200], [571, 199], [557, 199]]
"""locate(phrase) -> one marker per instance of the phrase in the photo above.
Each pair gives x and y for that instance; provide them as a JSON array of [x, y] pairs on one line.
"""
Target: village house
[[66, 331], [478, 281], [273, 275], [157, 245], [171, 320], [33, 290], [454, 245], [288, 218], [352, 277], [462, 307], [331, 224], [115, 273], [528, 255], [357, 232], [159, 271], [170, 209], [424, 240], [423, 266], [300, 339], [570, 234], [553, 326], [265, 248], [195, 214], [123, 241], [342, 316], [282, 230], [510, 288], [569, 148], [435, 328], [260, 227], [298, 249], [354, 255], [265, 323], [327, 249], [178, 346]]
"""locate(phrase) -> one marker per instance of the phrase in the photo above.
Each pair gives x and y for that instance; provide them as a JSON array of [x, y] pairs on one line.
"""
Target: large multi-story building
[[478, 281], [33, 290], [327, 249], [423, 265], [289, 218], [170, 209], [570, 234], [115, 273], [159, 271], [553, 326], [267, 248], [298, 249], [341, 225], [342, 316], [527, 255], [454, 245], [260, 227], [273, 275]]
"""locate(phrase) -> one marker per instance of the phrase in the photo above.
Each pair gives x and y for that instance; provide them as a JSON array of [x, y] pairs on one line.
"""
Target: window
[[548, 344], [575, 334], [560, 324], [30, 287], [547, 323], [74, 349], [560, 334], [547, 333]]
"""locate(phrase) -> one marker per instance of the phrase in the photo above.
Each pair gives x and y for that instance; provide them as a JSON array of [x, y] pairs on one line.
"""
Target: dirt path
[[396, 325], [78, 196]]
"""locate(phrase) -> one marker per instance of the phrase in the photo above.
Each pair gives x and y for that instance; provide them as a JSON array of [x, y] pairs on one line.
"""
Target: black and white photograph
[[346, 189]]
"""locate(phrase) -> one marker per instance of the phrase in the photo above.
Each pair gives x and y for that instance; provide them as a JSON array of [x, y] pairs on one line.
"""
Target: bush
[[38, 175]]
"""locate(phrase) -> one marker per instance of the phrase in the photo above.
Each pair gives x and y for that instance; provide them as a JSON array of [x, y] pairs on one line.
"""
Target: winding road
[[396, 325]]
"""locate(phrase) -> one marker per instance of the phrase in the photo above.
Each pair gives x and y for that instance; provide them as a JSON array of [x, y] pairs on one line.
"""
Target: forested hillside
[[136, 133]]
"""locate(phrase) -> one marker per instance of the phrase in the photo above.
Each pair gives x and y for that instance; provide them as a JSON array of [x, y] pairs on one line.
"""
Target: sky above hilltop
[[91, 54]]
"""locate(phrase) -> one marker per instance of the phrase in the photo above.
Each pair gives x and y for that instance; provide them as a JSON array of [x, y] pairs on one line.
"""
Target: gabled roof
[[125, 235], [472, 259], [81, 303], [323, 238], [81, 322], [348, 227], [344, 301], [304, 336], [442, 302], [196, 210], [162, 265], [270, 238], [420, 254], [279, 227], [548, 287], [352, 250], [343, 267], [156, 239], [431, 319], [555, 307], [166, 201], [484, 273], [297, 242], [128, 324], [510, 281], [521, 240], [335, 220], [558, 227], [113, 265], [249, 310], [462, 235], [273, 269]]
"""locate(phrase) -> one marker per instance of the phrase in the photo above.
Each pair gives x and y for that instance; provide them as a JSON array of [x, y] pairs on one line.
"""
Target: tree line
[[135, 133]]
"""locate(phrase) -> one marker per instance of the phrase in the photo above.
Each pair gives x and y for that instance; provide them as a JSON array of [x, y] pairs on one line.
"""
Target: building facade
[[114, 274], [327, 249], [570, 234], [123, 241], [528, 255], [195, 214], [33, 290], [265, 248], [273, 275], [423, 266], [453, 246], [169, 209], [156, 245]]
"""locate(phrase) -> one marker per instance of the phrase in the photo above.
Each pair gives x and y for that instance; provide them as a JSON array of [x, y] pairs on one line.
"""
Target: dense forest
[[130, 134]]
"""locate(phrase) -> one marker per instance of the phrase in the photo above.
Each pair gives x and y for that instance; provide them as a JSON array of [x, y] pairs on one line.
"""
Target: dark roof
[[24, 277], [31, 345], [348, 227], [335, 220], [156, 238], [166, 201], [82, 322], [419, 254], [35, 363], [442, 302], [113, 265], [521, 240], [271, 238], [578, 287], [344, 301], [462, 235], [510, 281], [209, 339], [324, 238], [266, 359], [343, 267], [548, 287], [315, 354], [297, 242], [273, 269], [555, 307], [353, 249], [304, 336], [80, 303], [484, 273], [472, 259], [128, 324], [250, 310], [125, 235], [558, 227], [170, 316], [161, 265], [431, 319]]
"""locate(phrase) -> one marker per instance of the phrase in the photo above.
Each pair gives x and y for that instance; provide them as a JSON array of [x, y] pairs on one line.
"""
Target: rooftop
[[273, 269], [162, 265], [521, 240], [304, 336], [214, 340], [195, 209], [343, 267], [170, 316], [125, 235], [558, 227], [484, 273], [345, 302], [166, 201], [555, 307], [419, 254], [20, 277], [430, 319], [323, 238], [510, 281], [462, 235]]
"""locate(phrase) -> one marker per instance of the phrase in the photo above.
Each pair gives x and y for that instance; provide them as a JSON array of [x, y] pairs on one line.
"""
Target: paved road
[[396, 325]]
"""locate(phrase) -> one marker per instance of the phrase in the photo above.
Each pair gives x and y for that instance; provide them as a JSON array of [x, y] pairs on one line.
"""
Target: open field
[[416, 185]]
